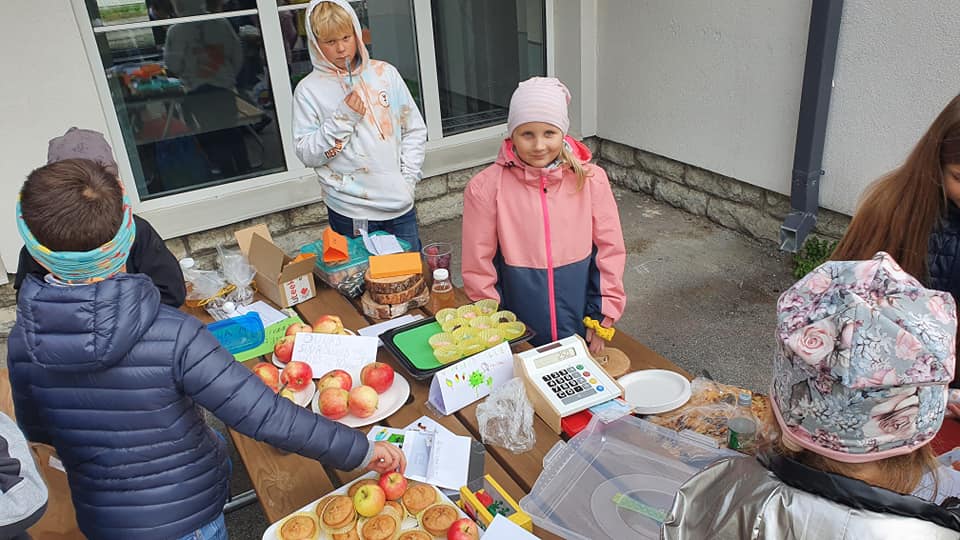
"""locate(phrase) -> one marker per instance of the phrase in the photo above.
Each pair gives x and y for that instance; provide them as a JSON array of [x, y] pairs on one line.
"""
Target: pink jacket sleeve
[[480, 239], [611, 252]]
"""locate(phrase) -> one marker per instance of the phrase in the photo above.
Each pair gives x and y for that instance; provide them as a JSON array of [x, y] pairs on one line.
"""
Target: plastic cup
[[486, 306], [438, 255], [445, 315], [512, 330], [465, 333], [445, 355], [455, 323], [443, 339], [482, 323], [503, 317], [492, 337], [471, 346], [468, 312]]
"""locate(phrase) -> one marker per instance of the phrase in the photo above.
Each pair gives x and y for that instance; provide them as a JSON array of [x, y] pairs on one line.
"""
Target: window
[[484, 48], [202, 89]]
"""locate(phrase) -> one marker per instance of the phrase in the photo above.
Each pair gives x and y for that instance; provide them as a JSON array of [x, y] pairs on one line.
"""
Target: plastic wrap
[[505, 419], [238, 271]]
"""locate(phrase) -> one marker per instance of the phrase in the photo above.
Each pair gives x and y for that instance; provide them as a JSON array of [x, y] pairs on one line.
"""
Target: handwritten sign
[[461, 384], [326, 352]]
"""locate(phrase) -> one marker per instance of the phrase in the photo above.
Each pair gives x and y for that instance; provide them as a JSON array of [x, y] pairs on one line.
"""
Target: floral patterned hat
[[864, 357]]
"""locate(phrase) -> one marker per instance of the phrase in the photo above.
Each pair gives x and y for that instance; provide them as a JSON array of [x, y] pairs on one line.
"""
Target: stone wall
[[438, 198], [726, 201]]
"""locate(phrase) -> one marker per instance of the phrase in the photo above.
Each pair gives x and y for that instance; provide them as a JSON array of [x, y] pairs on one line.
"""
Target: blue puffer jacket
[[943, 254], [114, 380]]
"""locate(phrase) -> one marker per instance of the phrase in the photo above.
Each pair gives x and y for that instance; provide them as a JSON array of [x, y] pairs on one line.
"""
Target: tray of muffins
[[363, 510]]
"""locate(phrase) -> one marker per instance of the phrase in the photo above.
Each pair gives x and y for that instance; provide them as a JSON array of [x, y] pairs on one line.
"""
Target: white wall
[[718, 84], [48, 87], [898, 65], [713, 84]]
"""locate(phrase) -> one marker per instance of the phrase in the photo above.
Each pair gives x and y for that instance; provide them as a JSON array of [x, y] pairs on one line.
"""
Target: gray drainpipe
[[814, 104]]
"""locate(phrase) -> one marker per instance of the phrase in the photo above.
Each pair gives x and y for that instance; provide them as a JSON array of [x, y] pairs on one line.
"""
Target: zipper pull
[[543, 183]]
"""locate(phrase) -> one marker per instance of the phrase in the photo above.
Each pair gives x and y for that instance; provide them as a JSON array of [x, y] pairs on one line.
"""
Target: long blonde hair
[[566, 156], [901, 474]]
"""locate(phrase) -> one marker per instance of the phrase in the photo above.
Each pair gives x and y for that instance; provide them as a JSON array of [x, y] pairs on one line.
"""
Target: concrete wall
[[717, 85], [48, 87], [896, 69], [711, 84]]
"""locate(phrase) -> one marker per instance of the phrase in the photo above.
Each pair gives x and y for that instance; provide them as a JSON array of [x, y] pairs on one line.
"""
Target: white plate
[[390, 402], [303, 397], [407, 523], [652, 391]]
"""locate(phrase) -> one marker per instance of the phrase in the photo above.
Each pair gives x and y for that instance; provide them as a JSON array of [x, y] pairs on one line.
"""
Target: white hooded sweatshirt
[[369, 165]]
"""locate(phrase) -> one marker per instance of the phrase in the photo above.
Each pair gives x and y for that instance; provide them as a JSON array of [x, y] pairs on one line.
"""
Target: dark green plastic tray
[[409, 344]]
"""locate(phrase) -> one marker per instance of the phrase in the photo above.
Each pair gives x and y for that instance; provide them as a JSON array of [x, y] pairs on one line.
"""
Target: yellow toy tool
[[605, 334]]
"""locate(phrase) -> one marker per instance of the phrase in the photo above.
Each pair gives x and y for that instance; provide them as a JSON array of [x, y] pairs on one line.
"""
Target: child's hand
[[953, 411], [594, 342], [387, 458], [355, 102]]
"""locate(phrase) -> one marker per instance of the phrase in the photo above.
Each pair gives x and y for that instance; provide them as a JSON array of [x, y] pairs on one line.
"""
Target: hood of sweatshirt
[[86, 327], [320, 62]]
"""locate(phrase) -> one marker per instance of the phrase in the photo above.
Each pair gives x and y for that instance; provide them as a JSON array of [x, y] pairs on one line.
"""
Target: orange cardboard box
[[284, 281], [396, 264]]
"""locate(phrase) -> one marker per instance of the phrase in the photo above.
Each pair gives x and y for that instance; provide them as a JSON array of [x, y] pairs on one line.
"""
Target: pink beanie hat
[[539, 99]]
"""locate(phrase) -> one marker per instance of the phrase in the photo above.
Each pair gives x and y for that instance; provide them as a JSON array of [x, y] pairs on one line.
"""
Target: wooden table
[[285, 482]]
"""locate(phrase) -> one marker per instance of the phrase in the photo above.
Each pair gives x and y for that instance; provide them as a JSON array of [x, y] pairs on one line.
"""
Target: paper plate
[[652, 391], [390, 402]]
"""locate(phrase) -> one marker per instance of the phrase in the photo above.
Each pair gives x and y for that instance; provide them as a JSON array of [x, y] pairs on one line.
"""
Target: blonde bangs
[[330, 21]]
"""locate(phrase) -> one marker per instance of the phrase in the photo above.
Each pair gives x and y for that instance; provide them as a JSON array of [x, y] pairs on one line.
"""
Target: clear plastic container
[[238, 334], [359, 261], [627, 473]]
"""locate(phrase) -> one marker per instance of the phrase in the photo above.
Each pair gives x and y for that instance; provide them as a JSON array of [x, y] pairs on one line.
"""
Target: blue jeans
[[403, 227], [215, 530]]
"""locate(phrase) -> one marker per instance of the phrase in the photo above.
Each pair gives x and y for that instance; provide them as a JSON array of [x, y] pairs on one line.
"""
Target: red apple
[[328, 324], [378, 376], [394, 485], [269, 374], [283, 350], [363, 401], [298, 327], [337, 378], [333, 403], [296, 376], [463, 529], [369, 500]]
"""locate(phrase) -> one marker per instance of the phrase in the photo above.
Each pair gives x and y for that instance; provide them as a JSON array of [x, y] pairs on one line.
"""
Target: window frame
[[214, 206]]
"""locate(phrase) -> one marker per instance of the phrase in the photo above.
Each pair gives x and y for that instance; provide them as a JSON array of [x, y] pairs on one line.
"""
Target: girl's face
[[339, 48], [538, 144], [951, 182]]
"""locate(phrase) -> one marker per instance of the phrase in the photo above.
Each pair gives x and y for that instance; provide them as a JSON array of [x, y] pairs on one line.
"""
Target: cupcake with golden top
[[418, 497], [438, 518], [300, 526], [338, 515]]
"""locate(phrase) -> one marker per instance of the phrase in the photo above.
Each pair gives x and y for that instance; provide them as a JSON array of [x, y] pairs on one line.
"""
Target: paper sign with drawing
[[463, 383]]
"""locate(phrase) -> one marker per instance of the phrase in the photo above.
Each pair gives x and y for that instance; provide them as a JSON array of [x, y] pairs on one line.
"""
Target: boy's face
[[537, 143], [339, 48]]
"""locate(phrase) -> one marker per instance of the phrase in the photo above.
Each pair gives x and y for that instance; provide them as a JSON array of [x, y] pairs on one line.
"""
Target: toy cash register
[[561, 378]]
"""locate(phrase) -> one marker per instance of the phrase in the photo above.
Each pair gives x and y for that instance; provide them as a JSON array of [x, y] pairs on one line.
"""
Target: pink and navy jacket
[[550, 253]]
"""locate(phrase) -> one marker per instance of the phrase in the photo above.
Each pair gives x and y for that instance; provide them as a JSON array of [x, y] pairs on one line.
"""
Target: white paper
[[502, 528], [391, 435], [427, 424], [267, 313], [439, 458], [381, 244], [374, 330], [461, 384], [326, 352]]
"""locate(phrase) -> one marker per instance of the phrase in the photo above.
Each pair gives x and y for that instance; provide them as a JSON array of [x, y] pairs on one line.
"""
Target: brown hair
[[330, 21], [567, 157], [901, 474], [72, 205], [899, 210]]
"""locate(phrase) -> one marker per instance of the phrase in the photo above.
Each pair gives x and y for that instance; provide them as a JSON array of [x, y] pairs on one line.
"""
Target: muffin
[[352, 534], [339, 516], [415, 534], [355, 487], [418, 497], [301, 526], [383, 526], [438, 518], [318, 509], [396, 506]]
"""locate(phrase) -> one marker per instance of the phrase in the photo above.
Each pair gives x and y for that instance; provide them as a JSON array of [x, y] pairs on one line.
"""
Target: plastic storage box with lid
[[333, 274], [626, 472]]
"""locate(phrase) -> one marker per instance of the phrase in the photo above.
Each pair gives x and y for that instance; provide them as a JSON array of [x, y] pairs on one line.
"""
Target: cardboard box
[[283, 282]]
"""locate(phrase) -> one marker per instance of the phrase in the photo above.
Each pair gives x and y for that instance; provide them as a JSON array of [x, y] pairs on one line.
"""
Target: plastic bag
[[239, 272], [506, 418], [201, 284]]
